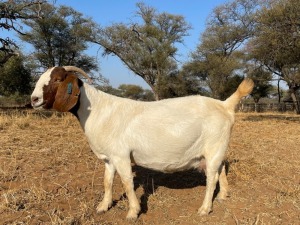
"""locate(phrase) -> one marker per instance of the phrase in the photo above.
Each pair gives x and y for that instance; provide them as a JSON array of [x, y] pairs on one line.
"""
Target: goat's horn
[[76, 69]]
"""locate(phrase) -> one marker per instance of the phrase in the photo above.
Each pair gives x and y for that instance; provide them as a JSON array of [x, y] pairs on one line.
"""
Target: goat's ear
[[67, 94]]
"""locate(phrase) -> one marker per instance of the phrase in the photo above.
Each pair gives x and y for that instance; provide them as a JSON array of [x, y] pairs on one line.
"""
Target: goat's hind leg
[[223, 183], [212, 177], [109, 174], [213, 170], [223, 193]]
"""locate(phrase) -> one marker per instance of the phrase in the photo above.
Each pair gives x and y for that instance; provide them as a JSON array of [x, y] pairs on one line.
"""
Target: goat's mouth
[[39, 105]]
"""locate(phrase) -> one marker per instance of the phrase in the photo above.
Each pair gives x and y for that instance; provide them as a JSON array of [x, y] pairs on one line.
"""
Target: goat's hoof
[[203, 211], [103, 207], [220, 200], [132, 214], [221, 197], [132, 217]]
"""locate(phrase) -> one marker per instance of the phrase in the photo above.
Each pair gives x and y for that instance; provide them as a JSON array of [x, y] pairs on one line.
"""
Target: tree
[[195, 78], [219, 56], [60, 38], [15, 77], [128, 91], [131, 91], [136, 92], [262, 86], [277, 43], [12, 13], [218, 70], [147, 48]]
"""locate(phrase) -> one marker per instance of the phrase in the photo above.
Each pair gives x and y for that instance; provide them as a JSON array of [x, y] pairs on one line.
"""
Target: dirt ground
[[48, 175]]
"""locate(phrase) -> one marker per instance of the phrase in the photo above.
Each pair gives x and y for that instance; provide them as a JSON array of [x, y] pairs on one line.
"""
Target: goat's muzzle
[[36, 103]]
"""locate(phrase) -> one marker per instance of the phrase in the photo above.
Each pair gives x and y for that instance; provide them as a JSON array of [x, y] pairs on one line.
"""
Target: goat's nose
[[34, 99]]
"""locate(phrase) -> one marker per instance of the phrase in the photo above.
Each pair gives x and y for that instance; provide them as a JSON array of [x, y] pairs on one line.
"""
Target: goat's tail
[[243, 90]]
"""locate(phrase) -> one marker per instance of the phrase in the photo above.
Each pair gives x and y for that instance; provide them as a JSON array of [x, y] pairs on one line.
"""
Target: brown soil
[[48, 175]]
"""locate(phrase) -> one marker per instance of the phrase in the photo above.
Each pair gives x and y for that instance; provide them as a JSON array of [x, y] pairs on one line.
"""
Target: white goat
[[168, 135]]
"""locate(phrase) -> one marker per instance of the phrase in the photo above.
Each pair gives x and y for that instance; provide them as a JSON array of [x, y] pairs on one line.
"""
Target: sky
[[107, 12]]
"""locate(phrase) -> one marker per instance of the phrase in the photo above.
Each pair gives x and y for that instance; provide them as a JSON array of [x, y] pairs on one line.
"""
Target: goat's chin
[[39, 106]]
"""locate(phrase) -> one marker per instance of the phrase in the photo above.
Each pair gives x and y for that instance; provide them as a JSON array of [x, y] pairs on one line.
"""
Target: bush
[[15, 100]]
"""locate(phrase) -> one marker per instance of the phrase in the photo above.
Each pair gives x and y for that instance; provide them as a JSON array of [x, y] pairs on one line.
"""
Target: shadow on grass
[[150, 180]]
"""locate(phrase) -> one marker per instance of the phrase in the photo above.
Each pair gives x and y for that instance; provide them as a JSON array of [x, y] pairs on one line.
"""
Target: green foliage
[[60, 38], [129, 91], [15, 100], [238, 35], [11, 14], [15, 77], [218, 57], [231, 85], [277, 43], [261, 79], [147, 48]]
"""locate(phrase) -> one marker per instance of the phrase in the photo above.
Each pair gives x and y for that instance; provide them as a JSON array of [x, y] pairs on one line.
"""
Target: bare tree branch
[[12, 12]]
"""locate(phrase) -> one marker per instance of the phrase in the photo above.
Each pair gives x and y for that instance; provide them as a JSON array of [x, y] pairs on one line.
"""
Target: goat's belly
[[167, 166], [169, 153]]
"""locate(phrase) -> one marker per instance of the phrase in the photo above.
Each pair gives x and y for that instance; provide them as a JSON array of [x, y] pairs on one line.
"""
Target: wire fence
[[266, 107]]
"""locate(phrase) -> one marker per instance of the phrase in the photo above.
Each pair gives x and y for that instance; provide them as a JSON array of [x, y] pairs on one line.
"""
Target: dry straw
[[48, 175]]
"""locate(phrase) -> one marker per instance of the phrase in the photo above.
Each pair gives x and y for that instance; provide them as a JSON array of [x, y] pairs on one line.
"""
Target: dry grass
[[48, 175]]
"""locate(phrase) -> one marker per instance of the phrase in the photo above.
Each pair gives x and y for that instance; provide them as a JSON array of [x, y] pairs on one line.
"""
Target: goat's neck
[[91, 100]]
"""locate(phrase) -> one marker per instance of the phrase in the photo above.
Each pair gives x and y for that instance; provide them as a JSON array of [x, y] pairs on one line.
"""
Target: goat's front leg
[[124, 169], [109, 174]]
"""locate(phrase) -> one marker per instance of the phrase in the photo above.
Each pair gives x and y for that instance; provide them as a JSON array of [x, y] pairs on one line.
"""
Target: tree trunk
[[154, 90], [295, 99], [278, 91], [156, 96], [256, 106]]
